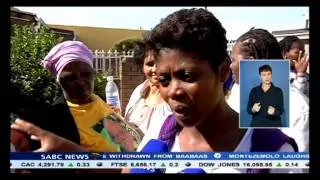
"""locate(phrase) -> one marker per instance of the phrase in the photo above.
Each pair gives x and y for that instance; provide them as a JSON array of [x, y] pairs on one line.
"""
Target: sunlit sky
[[236, 20]]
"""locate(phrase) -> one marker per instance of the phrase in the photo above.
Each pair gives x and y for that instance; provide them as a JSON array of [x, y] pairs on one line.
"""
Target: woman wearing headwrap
[[77, 116]]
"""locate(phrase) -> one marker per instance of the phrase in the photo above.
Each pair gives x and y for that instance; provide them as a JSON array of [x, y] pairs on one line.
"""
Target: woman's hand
[[49, 142], [53, 143], [115, 109], [302, 63]]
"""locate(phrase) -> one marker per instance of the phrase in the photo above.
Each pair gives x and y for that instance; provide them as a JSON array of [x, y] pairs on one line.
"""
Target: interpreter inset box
[[264, 93]]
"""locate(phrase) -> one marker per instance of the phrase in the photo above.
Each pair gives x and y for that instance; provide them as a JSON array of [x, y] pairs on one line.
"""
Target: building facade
[[99, 38], [302, 34], [22, 17]]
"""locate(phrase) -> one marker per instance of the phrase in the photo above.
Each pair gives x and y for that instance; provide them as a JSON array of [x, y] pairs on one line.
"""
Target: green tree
[[100, 77], [29, 80], [100, 82], [125, 44]]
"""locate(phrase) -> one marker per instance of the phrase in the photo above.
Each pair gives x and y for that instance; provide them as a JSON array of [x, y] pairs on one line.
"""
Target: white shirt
[[298, 119], [144, 116], [300, 83], [298, 115]]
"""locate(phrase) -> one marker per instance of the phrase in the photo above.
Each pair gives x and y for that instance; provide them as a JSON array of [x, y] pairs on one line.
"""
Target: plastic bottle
[[112, 93]]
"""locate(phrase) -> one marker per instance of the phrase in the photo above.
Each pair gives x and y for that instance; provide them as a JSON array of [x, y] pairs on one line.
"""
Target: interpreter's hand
[[271, 110], [49, 142], [301, 64], [256, 107]]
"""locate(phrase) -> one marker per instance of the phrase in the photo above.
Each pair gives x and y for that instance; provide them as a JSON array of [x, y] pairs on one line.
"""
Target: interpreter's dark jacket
[[272, 97]]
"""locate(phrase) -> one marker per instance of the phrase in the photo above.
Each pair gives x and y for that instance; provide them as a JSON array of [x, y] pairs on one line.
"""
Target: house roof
[[22, 17], [62, 31], [20, 11], [291, 31], [98, 37]]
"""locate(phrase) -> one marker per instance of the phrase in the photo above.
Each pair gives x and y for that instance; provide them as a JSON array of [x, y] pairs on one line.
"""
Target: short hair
[[196, 32], [265, 68], [140, 49], [139, 52], [260, 44], [287, 42]]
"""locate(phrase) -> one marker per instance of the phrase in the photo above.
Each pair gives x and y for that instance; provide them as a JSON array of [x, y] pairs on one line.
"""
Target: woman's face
[[188, 85], [293, 53], [236, 57], [76, 81], [149, 68]]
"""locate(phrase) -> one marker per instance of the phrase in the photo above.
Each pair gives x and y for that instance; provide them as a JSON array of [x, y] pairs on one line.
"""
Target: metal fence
[[110, 61]]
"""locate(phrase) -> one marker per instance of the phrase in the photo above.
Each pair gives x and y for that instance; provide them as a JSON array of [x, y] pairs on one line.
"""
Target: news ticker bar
[[162, 156], [103, 164]]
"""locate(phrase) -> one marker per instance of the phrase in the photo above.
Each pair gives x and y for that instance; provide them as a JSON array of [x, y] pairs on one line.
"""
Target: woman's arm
[[53, 143], [49, 142]]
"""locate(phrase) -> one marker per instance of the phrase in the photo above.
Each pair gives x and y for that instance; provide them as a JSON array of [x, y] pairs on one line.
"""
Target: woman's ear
[[284, 55], [224, 70]]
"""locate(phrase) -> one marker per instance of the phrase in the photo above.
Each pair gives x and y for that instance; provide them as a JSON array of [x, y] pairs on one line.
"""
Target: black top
[[272, 97], [59, 120], [55, 118]]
